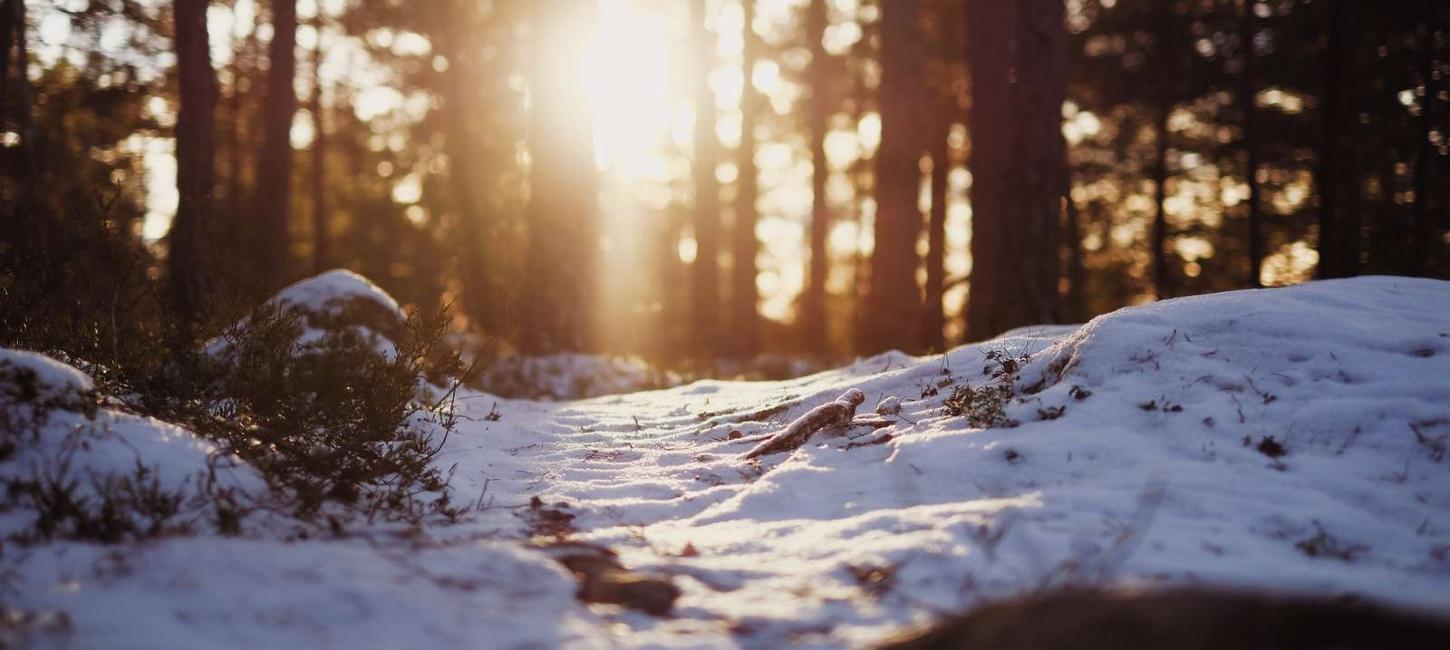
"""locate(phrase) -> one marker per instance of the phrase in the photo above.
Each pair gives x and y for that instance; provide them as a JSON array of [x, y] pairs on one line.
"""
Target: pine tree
[[813, 301], [195, 158]]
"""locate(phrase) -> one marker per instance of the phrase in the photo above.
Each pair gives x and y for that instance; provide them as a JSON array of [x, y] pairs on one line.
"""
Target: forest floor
[[1289, 439]]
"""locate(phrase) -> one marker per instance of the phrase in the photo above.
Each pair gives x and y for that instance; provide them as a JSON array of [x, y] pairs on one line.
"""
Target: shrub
[[341, 407], [342, 423]]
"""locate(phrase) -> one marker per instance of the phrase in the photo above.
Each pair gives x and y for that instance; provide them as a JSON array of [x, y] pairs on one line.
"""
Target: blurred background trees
[[724, 178]]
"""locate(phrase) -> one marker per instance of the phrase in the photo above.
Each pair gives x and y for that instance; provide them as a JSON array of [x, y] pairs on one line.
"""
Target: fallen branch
[[830, 414]]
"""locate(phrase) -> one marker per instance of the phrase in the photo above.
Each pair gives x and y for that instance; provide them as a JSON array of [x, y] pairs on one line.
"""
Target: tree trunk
[[195, 160], [1017, 57], [1248, 90], [1330, 261], [894, 301], [274, 164], [461, 96], [320, 253], [1422, 230], [813, 302], [745, 323], [933, 316], [705, 299], [31, 162], [1075, 310], [563, 239], [7, 43], [236, 121], [1161, 278], [1168, 39]]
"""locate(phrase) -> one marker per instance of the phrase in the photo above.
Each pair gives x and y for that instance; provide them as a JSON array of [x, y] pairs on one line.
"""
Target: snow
[[329, 290], [52, 379], [1143, 458], [328, 302], [64, 440], [571, 376]]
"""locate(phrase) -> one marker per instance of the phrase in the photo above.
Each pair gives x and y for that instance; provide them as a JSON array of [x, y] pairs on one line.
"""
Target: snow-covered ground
[[1287, 439]]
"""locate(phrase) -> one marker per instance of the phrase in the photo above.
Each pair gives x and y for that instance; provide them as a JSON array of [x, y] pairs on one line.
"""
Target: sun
[[627, 73]]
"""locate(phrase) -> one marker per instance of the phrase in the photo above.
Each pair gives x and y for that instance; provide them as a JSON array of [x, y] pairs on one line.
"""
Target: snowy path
[[1291, 439], [1146, 479]]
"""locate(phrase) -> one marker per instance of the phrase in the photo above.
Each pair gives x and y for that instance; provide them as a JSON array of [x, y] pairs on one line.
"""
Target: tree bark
[[320, 254], [1248, 108], [274, 164], [813, 302], [1017, 58], [195, 160], [745, 297], [894, 300], [705, 272]]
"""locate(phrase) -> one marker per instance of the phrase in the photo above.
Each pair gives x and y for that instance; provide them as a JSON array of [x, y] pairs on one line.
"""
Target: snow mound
[[332, 291], [33, 377], [53, 434], [331, 302]]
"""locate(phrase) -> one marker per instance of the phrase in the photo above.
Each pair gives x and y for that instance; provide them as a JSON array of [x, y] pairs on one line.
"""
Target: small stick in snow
[[830, 414]]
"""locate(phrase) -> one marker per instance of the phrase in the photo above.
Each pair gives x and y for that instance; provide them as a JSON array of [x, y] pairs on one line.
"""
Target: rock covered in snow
[[334, 290], [341, 299], [36, 379], [335, 301]]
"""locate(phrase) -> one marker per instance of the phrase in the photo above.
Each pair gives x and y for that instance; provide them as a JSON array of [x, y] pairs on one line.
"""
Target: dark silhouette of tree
[[893, 302], [242, 77], [1168, 43], [1249, 115], [195, 159], [817, 117], [933, 317], [320, 221], [1018, 70], [9, 17], [744, 296], [1339, 225], [1422, 228], [274, 163], [946, 78]]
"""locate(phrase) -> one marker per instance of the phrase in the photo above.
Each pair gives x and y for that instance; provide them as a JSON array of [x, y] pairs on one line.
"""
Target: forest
[[725, 323], [573, 177]]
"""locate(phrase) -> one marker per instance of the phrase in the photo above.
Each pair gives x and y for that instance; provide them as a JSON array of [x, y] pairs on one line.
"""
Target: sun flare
[[627, 76]]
